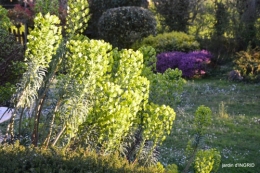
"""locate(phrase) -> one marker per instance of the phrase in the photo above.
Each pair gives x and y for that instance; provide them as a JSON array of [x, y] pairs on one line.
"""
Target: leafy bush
[[191, 64], [6, 92], [125, 25], [248, 64], [17, 158], [11, 52], [202, 119], [11, 57], [207, 161], [172, 41], [5, 22], [221, 47], [204, 160], [164, 88], [172, 168], [98, 7], [175, 13]]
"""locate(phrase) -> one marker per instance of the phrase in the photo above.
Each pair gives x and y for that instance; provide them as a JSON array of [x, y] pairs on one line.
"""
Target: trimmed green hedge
[[123, 26], [17, 158], [172, 41]]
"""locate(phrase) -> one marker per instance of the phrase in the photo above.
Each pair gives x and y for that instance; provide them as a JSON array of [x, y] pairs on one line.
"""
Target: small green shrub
[[248, 64], [172, 41], [125, 25], [5, 22], [6, 92], [207, 161], [202, 120], [172, 168], [17, 158]]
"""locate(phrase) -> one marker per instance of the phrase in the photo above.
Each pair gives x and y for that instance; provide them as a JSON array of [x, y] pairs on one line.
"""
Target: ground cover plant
[[235, 124]]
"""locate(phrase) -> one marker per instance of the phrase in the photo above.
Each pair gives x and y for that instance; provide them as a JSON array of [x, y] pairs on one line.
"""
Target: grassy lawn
[[235, 130]]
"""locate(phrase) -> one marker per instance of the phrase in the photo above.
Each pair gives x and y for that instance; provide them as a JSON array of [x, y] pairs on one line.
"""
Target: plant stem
[[47, 140], [58, 137], [20, 123]]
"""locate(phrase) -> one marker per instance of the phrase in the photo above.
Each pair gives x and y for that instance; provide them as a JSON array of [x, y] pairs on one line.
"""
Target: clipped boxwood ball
[[123, 26]]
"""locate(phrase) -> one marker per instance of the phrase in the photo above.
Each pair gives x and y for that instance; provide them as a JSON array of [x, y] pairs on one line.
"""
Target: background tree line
[[222, 19]]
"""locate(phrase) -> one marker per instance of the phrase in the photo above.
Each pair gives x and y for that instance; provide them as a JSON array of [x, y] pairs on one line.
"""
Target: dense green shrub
[[6, 92], [10, 51], [17, 158], [172, 168], [204, 160], [11, 57], [221, 47], [207, 161], [222, 20], [98, 7], [5, 22], [164, 88], [248, 64], [173, 41], [125, 25]]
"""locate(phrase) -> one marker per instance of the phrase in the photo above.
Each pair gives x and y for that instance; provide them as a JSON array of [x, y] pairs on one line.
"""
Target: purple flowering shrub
[[168, 60], [191, 64]]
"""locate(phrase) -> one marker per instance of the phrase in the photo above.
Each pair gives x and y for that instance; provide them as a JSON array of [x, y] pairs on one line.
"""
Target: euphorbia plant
[[85, 92]]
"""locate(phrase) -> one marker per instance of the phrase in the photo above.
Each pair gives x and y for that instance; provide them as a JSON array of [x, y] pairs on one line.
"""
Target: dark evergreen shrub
[[11, 65], [221, 47], [175, 13], [98, 7], [125, 25], [172, 41], [11, 53]]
